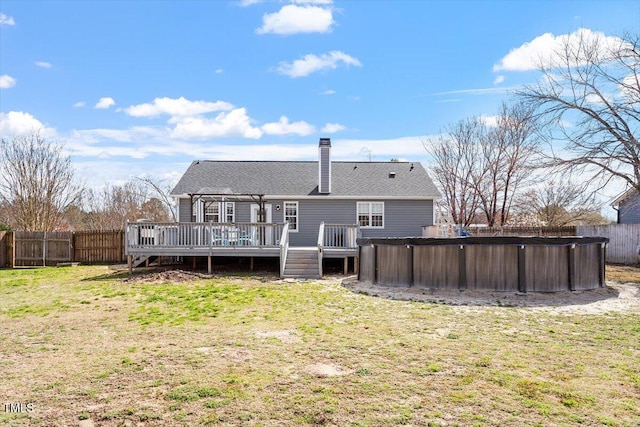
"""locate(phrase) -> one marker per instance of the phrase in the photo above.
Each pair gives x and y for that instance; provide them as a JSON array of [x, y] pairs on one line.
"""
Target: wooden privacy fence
[[28, 249], [41, 248], [522, 231], [6, 248], [624, 240], [98, 246]]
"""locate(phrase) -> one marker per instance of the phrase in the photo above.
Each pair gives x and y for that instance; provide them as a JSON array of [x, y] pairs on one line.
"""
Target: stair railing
[[320, 246], [284, 248]]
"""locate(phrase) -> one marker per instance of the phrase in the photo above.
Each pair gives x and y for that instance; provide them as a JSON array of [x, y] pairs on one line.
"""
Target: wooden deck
[[198, 239]]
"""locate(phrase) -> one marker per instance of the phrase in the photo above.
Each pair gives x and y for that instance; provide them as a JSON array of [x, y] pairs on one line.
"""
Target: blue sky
[[145, 87]]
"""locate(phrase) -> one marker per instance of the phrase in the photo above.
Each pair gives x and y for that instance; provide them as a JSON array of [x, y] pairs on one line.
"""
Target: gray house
[[301, 211], [628, 207]]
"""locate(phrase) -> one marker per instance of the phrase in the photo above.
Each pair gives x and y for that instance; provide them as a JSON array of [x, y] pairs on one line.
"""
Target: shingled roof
[[356, 179]]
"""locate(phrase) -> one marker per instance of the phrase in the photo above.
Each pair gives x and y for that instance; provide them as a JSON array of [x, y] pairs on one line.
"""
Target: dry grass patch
[[88, 345], [623, 273]]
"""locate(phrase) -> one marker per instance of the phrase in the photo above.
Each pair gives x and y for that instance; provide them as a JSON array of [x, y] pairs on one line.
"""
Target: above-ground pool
[[511, 264]]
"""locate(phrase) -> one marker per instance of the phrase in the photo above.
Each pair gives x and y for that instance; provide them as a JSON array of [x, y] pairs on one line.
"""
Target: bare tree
[[481, 167], [162, 190], [589, 96], [508, 152], [36, 182], [559, 202], [110, 208], [454, 161]]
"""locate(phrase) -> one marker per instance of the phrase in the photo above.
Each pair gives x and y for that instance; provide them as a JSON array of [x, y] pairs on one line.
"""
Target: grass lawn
[[83, 346]]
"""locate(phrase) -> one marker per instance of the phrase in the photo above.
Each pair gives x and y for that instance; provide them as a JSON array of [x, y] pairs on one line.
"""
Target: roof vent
[[392, 174]]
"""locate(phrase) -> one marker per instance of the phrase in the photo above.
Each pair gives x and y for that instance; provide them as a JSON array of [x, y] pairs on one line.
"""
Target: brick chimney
[[324, 166]]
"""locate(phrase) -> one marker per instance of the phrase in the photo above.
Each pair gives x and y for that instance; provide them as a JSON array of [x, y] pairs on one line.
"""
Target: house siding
[[184, 209], [402, 218], [629, 210]]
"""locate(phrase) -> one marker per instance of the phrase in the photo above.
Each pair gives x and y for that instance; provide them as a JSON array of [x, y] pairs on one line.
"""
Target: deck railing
[[338, 236], [202, 235]]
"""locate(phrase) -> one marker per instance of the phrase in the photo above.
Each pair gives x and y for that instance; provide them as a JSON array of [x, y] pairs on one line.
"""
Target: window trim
[[226, 205], [222, 212], [370, 214], [297, 215]]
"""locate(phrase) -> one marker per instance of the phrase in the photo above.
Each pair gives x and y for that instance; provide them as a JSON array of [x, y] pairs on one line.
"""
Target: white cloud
[[499, 79], [43, 64], [6, 20], [480, 91], [233, 123], [312, 1], [180, 107], [105, 103], [16, 123], [219, 71], [311, 63], [79, 104], [6, 81], [630, 87], [283, 127], [133, 134], [293, 19], [328, 92], [491, 121], [333, 128], [245, 3], [543, 50]]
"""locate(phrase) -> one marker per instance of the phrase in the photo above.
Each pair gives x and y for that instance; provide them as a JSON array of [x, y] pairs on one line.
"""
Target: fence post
[[44, 249], [72, 246]]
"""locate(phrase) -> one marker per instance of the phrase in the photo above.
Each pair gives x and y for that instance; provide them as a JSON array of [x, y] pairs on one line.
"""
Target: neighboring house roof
[[624, 196], [364, 179]]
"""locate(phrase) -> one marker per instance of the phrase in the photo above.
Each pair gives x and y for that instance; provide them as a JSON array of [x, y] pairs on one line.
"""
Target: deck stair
[[142, 259], [302, 263]]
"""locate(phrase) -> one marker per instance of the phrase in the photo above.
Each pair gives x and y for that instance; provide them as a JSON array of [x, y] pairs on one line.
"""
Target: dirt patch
[[284, 336], [174, 276], [614, 296], [324, 370]]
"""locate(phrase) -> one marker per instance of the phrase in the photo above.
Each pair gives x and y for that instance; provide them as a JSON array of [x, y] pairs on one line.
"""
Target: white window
[[230, 211], [291, 215], [212, 212], [220, 212], [371, 214]]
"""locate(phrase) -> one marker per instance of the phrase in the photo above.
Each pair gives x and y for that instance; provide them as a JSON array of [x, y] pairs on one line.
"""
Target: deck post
[[209, 264], [130, 263], [346, 265], [356, 262]]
